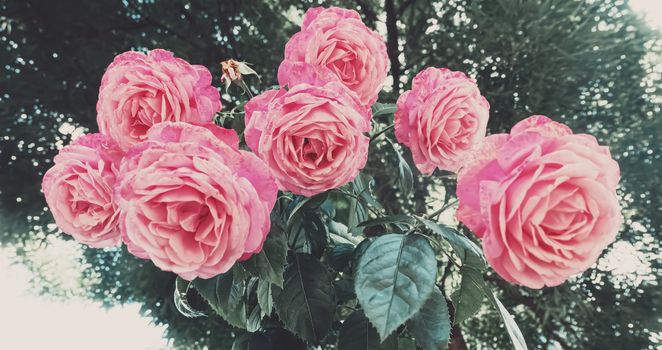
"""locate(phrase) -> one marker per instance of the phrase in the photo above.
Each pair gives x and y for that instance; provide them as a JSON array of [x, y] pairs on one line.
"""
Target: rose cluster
[[177, 189], [312, 133], [159, 176]]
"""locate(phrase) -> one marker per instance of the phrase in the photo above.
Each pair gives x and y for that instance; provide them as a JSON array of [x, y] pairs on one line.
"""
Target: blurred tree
[[591, 64]]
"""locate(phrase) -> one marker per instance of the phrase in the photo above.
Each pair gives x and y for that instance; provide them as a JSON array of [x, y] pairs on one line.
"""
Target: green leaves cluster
[[336, 268]]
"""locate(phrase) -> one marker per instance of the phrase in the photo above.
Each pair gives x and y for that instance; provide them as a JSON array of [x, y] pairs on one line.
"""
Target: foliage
[[587, 63]]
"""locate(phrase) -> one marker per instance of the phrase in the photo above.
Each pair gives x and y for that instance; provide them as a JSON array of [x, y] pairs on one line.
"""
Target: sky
[[31, 322]]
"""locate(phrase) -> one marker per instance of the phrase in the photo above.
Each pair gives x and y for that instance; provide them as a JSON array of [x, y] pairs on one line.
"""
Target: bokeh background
[[593, 64]]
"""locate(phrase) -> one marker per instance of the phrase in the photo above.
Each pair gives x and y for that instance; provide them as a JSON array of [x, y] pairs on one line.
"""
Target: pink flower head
[[310, 136], [192, 202], [441, 118], [542, 199], [79, 190], [138, 91], [336, 40]]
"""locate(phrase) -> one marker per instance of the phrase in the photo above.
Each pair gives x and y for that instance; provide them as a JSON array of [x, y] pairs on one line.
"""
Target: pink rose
[[336, 40], [192, 202], [79, 190], [542, 199], [138, 91], [441, 118], [310, 136]]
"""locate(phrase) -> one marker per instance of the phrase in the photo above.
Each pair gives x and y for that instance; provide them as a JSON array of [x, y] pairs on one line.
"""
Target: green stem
[[441, 210], [375, 136]]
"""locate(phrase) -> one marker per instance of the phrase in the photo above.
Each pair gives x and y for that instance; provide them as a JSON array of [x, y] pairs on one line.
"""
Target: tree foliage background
[[591, 64]]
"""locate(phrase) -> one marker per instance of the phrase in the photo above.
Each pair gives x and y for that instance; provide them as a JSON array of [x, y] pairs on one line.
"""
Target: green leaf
[[344, 289], [405, 175], [265, 297], [340, 256], [358, 253], [268, 264], [225, 294], [468, 252], [307, 204], [358, 334], [468, 299], [254, 319], [383, 109], [307, 302], [406, 344], [399, 221], [316, 233], [395, 277], [363, 185], [511, 326], [472, 290], [431, 326], [180, 299], [242, 343]]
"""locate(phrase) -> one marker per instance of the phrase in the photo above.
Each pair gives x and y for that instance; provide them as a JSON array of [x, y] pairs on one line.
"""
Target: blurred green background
[[595, 65]]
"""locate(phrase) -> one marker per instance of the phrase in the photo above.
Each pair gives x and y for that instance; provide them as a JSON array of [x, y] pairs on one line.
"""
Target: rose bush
[[178, 190], [192, 202], [79, 190], [139, 90], [543, 201], [441, 118], [336, 40]]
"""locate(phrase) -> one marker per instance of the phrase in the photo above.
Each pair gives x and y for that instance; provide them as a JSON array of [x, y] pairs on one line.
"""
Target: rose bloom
[[192, 202], [441, 118], [311, 136], [336, 39], [542, 199], [79, 190], [138, 91]]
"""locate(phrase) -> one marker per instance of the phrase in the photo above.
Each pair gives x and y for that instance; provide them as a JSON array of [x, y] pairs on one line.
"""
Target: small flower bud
[[233, 71]]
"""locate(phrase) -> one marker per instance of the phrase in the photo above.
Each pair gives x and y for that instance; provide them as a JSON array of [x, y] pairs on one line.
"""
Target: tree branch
[[392, 42]]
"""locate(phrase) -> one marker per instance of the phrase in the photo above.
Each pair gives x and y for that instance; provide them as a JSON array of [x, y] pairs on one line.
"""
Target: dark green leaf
[[358, 253], [268, 264], [358, 334], [431, 325], [362, 186], [307, 302], [405, 176], [254, 319], [242, 343], [316, 233], [181, 301], [468, 298], [468, 252], [394, 278], [344, 289], [379, 109], [400, 221], [340, 256], [406, 344], [265, 297], [225, 295], [307, 204]]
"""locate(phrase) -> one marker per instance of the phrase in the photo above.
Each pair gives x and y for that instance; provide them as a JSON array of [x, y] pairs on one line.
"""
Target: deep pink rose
[[312, 137], [441, 118], [336, 40], [79, 190], [138, 91], [192, 202], [542, 199]]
